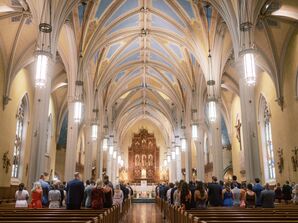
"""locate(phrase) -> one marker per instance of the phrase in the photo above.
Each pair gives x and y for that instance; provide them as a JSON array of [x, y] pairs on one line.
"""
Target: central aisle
[[144, 213]]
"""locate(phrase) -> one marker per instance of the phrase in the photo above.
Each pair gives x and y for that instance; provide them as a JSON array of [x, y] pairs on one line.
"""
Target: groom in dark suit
[[75, 193]]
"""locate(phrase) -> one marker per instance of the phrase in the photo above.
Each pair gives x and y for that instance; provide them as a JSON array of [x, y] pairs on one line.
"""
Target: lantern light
[[194, 131], [177, 150], [111, 150], [212, 110], [173, 155], [249, 69], [183, 145], [94, 131], [119, 159], [169, 159], [165, 162], [114, 155], [78, 110], [41, 70], [105, 144]]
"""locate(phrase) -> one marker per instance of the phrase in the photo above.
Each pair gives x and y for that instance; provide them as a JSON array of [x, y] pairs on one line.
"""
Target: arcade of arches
[[145, 71]]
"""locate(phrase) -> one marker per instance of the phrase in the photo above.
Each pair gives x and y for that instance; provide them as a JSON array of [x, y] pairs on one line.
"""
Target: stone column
[[249, 132], [39, 134], [217, 145], [88, 153], [173, 171], [178, 165], [200, 154], [99, 157], [71, 146], [109, 158]]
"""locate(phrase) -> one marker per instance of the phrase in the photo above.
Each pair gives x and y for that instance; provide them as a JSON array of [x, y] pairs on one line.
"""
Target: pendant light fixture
[[78, 102], [105, 144], [211, 102], [248, 48], [183, 144], [43, 51], [94, 125]]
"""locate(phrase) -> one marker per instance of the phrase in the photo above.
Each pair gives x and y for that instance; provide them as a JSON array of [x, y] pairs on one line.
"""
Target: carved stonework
[[143, 155]]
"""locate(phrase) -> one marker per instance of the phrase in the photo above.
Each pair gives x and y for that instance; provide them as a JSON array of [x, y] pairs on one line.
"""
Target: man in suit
[[214, 193], [75, 193], [235, 182], [267, 197]]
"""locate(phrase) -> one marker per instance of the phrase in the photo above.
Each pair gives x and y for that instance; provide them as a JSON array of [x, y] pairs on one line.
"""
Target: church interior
[[148, 90]]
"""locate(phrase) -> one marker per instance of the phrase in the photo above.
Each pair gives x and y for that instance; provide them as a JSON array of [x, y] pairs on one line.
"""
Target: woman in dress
[[250, 197], [185, 196], [97, 196], [118, 197], [36, 194], [236, 195], [177, 196], [108, 195], [54, 197], [22, 197], [200, 196], [227, 196], [242, 195]]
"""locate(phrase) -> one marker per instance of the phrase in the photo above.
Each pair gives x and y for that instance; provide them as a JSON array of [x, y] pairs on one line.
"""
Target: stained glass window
[[18, 142], [269, 146]]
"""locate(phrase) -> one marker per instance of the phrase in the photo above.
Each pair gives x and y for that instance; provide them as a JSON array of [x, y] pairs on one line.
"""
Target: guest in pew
[[110, 184], [75, 193], [200, 196], [171, 185], [62, 194], [267, 197], [236, 195], [257, 188], [87, 193], [250, 197], [235, 182], [54, 196], [177, 195], [173, 191], [97, 195], [287, 192], [227, 196], [185, 197], [22, 197], [192, 188], [278, 192], [36, 196], [242, 195], [214, 193], [108, 195], [118, 197], [295, 194], [45, 190]]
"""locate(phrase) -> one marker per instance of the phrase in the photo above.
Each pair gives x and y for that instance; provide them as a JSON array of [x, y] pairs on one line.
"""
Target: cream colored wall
[[284, 123], [152, 128], [237, 153], [21, 84]]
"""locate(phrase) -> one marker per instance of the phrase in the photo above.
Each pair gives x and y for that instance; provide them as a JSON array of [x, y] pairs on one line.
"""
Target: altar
[[143, 156], [143, 192]]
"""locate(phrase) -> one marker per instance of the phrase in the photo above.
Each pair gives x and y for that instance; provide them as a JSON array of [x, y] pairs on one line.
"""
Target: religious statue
[[238, 132], [137, 160], [6, 161], [144, 160], [294, 159], [150, 160], [280, 163], [143, 175]]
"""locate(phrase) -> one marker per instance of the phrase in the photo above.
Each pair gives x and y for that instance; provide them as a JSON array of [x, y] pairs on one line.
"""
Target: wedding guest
[[295, 194], [236, 195], [287, 192], [267, 197], [278, 192], [227, 196], [22, 197], [54, 196], [250, 197], [118, 196], [257, 188], [75, 193], [214, 193], [200, 196], [45, 190], [87, 193], [97, 196], [36, 195], [108, 195]]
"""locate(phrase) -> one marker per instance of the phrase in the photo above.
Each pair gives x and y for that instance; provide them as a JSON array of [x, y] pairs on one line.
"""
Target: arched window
[[21, 117], [267, 146]]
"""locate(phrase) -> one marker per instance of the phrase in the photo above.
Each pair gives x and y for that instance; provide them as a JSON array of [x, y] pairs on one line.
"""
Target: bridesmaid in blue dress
[[227, 196]]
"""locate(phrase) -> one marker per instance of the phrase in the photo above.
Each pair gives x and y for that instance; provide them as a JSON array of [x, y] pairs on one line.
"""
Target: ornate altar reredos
[[143, 155]]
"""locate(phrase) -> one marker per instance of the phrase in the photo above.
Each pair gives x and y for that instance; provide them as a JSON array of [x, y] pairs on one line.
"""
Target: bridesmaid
[[36, 196], [22, 196]]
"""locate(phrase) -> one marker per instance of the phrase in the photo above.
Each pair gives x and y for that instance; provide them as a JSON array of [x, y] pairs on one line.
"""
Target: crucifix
[[238, 132]]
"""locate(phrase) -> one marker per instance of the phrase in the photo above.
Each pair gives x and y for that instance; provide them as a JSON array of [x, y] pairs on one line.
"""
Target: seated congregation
[[228, 201]]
